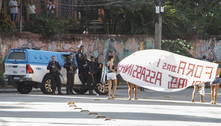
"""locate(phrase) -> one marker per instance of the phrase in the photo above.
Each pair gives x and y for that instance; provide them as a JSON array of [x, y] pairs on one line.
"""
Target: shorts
[[217, 81], [111, 76]]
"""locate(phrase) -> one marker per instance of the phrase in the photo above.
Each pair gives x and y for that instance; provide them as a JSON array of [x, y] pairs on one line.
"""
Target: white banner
[[165, 71]]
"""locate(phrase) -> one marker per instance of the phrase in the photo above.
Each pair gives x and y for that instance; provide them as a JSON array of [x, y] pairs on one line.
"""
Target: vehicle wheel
[[46, 86], [101, 89], [24, 88], [81, 90]]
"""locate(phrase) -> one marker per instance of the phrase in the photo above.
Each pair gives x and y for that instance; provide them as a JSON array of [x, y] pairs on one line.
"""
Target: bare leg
[[212, 94], [109, 89], [114, 88], [129, 91], [194, 92], [135, 92], [216, 93], [201, 98], [202, 93]]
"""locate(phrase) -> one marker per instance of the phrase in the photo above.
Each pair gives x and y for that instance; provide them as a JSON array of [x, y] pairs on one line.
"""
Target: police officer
[[54, 68], [82, 64], [70, 68], [99, 70], [92, 71]]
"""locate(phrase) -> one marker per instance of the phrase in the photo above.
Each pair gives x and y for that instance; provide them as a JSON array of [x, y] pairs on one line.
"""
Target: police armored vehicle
[[27, 68]]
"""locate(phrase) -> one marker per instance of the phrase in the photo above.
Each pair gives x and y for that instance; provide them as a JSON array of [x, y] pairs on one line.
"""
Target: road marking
[[100, 116], [77, 108], [71, 103], [84, 111], [106, 119], [93, 113]]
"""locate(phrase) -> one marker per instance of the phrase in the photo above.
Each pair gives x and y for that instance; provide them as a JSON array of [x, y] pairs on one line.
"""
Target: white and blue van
[[27, 68]]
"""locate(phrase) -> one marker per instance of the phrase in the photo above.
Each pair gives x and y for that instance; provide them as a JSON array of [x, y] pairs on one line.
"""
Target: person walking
[[70, 68], [111, 77], [54, 68]]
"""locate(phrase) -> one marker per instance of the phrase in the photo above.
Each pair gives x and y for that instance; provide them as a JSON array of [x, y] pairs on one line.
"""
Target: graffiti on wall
[[209, 48], [101, 46], [98, 47]]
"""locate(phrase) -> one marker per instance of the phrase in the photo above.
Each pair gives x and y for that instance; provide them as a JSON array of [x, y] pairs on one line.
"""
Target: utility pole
[[21, 16], [158, 24]]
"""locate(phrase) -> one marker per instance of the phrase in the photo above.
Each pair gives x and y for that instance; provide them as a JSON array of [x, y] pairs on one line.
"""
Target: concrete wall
[[204, 47], [96, 45]]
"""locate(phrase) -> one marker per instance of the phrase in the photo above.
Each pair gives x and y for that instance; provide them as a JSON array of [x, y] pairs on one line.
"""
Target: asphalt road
[[151, 109]]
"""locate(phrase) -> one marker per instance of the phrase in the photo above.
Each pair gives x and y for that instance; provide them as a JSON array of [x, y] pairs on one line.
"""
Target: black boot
[[59, 90], [59, 93]]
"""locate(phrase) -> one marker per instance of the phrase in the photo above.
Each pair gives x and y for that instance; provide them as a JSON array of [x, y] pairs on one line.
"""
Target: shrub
[[45, 25], [177, 46], [5, 24]]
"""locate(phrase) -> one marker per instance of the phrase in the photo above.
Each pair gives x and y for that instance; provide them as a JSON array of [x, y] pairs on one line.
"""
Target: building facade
[[84, 14]]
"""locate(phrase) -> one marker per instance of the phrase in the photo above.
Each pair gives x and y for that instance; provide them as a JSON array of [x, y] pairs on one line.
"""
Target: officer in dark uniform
[[82, 64], [54, 68], [92, 78], [70, 68], [99, 70]]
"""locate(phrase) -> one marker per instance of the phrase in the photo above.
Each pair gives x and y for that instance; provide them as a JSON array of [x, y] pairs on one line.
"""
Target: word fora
[[188, 69], [141, 73]]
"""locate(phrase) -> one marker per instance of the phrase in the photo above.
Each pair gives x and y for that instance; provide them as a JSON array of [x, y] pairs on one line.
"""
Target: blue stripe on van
[[37, 57]]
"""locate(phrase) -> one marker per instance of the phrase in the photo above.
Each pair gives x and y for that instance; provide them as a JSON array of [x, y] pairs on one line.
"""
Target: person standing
[[99, 70], [200, 87], [51, 8], [215, 86], [92, 71], [111, 77], [132, 89], [82, 65], [13, 5], [70, 68], [54, 68], [31, 10]]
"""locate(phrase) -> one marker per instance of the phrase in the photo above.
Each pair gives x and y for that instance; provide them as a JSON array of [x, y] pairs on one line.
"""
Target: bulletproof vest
[[54, 67]]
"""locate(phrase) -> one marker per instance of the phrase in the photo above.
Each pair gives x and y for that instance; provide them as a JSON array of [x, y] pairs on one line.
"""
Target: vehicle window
[[17, 56]]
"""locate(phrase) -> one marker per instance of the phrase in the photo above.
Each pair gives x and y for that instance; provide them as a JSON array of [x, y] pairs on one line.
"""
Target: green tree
[[177, 46], [5, 23], [184, 19], [191, 18], [130, 17], [46, 25]]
